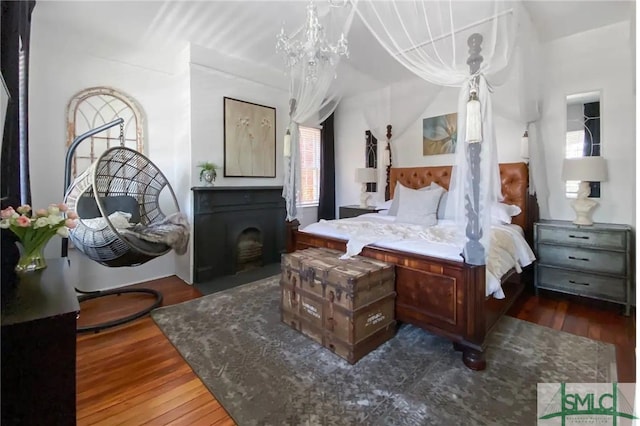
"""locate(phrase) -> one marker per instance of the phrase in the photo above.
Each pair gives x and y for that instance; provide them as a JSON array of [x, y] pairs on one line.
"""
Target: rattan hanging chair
[[120, 180]]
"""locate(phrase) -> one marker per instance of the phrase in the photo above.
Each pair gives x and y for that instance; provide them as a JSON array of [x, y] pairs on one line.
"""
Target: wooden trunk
[[348, 306]]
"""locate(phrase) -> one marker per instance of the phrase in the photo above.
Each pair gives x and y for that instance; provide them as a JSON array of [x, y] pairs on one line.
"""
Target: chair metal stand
[[157, 296], [113, 323]]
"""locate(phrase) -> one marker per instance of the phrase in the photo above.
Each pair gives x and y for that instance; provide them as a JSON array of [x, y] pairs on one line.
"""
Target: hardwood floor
[[587, 318], [133, 375]]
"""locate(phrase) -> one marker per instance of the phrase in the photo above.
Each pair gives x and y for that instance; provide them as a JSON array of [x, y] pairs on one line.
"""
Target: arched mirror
[[583, 135]]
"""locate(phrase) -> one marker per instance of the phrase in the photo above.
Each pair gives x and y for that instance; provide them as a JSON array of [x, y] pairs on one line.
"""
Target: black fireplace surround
[[222, 214]]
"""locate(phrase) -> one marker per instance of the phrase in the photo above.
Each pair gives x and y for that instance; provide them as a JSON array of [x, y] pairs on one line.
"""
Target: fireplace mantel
[[222, 213]]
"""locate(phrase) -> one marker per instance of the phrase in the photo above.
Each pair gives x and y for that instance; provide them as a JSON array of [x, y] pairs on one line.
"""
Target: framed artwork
[[249, 139], [439, 134]]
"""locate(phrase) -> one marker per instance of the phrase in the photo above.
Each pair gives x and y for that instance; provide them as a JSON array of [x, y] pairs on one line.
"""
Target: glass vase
[[31, 258]]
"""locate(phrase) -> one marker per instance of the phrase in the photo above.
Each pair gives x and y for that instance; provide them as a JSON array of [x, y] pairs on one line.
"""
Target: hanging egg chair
[[122, 186], [121, 190]]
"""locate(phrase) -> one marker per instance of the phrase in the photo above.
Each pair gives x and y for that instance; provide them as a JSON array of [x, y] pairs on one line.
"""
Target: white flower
[[5, 223], [41, 222], [55, 219], [63, 232], [53, 209]]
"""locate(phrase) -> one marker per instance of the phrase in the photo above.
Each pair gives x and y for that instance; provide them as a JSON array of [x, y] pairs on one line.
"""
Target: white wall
[[600, 59], [63, 63], [209, 85]]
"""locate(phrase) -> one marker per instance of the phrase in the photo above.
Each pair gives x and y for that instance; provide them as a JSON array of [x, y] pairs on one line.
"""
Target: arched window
[[94, 107]]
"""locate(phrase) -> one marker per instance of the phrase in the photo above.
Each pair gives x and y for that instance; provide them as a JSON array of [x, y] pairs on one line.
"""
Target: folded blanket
[[172, 231]]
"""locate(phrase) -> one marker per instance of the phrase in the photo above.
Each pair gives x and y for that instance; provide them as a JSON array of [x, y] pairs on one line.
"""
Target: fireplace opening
[[249, 249]]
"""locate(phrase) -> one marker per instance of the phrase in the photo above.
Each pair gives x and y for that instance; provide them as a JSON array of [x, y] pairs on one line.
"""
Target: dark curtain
[[592, 138], [327, 203], [15, 29]]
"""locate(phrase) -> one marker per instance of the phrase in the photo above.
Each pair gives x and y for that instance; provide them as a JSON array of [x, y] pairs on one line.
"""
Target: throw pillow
[[419, 207], [442, 206], [393, 210]]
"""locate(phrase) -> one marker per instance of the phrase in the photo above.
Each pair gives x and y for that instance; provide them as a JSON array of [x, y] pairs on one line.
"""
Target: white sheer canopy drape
[[399, 104], [311, 100], [430, 39]]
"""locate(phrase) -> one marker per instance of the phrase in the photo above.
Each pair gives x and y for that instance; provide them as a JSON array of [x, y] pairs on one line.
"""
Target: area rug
[[265, 373]]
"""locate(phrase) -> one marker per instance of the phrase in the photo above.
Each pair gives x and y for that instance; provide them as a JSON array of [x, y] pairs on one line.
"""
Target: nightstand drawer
[[582, 237], [583, 259], [609, 288]]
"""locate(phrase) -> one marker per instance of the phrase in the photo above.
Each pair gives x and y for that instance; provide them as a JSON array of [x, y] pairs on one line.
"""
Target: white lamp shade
[[366, 175], [590, 169]]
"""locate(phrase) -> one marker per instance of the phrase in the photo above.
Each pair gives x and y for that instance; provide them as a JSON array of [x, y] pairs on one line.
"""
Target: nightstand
[[355, 210], [591, 261]]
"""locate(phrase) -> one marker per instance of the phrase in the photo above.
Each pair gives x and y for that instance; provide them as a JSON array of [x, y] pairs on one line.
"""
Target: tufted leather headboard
[[514, 176]]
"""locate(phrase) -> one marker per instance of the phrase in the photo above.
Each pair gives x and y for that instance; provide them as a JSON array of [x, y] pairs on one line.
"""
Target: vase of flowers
[[34, 229]]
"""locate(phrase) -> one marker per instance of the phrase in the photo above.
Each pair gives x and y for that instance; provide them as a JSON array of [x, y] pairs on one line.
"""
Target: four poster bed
[[444, 296], [446, 289]]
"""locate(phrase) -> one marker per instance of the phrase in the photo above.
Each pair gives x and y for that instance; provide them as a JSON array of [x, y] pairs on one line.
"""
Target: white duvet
[[444, 240]]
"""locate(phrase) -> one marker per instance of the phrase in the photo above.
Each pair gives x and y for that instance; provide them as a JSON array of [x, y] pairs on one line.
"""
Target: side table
[[38, 371]]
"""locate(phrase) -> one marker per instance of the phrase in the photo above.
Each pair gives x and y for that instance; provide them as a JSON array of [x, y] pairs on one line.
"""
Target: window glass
[[309, 165]]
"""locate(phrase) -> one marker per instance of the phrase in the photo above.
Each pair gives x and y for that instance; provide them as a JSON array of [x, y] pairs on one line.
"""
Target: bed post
[[387, 190], [474, 253]]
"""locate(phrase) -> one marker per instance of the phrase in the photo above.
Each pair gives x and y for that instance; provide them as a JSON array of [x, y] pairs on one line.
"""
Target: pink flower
[[63, 207], [23, 221], [70, 223], [41, 212], [7, 213], [72, 214]]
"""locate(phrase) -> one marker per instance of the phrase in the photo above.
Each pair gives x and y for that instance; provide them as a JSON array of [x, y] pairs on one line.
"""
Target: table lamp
[[365, 176], [584, 169]]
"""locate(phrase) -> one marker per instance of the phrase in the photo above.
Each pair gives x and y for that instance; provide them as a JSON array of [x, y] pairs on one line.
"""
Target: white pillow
[[119, 220], [419, 207], [442, 206], [385, 206], [393, 210], [502, 213]]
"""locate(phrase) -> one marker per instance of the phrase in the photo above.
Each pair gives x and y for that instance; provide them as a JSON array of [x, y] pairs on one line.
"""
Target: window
[[93, 108], [309, 166]]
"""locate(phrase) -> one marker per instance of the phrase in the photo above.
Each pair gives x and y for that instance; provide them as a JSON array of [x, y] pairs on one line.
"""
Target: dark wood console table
[[38, 370]]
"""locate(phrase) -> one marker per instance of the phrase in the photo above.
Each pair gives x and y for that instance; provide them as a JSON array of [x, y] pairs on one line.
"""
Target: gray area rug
[[265, 373]]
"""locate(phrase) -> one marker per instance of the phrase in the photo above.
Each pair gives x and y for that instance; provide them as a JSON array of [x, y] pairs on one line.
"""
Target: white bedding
[[444, 240]]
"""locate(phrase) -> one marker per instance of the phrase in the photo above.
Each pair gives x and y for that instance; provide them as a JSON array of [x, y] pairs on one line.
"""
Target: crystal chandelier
[[314, 51]]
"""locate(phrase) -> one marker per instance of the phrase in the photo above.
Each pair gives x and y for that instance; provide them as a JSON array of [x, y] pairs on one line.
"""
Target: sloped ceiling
[[246, 30]]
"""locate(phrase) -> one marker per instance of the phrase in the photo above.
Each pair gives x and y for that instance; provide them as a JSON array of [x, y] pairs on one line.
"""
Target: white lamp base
[[364, 197], [584, 206]]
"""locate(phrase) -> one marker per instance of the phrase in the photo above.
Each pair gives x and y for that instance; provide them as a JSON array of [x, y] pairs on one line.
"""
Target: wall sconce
[[286, 149], [584, 169], [524, 145], [365, 176]]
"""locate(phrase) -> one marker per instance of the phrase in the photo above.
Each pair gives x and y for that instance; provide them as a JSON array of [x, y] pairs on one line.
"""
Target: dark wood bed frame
[[442, 296]]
